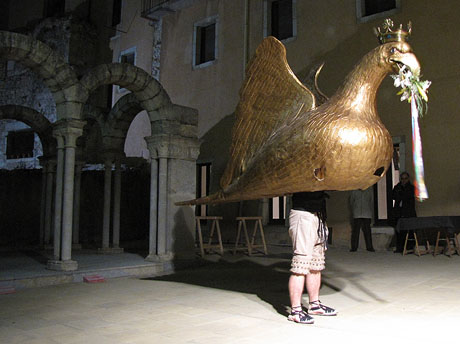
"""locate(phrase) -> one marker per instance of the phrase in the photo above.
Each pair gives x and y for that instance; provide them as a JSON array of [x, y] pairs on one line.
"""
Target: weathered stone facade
[[71, 39], [80, 129], [156, 55]]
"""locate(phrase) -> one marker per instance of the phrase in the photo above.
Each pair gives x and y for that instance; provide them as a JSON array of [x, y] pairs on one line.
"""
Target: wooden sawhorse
[[250, 244], [447, 239], [214, 226], [416, 249]]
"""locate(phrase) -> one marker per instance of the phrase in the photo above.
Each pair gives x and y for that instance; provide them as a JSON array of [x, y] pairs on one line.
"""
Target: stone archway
[[35, 120], [148, 91], [90, 143], [119, 121], [43, 128], [173, 148], [114, 136], [114, 126]]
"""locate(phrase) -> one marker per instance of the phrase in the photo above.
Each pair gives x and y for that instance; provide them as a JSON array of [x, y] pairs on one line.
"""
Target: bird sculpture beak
[[410, 61]]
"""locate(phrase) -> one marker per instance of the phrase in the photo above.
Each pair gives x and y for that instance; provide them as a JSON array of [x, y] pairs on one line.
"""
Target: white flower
[[411, 86], [405, 95], [425, 84], [406, 83]]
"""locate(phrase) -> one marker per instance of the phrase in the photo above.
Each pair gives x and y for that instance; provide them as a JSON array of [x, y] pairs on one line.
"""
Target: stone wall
[[156, 54], [22, 87], [75, 40]]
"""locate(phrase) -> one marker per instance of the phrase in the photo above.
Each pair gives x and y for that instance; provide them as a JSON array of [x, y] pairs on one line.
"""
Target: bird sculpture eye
[[392, 50]]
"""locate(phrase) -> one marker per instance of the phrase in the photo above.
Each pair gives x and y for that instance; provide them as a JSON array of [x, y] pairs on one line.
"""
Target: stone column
[[176, 148], [162, 207], [68, 197], [58, 196], [153, 210], [107, 201], [70, 130], [49, 199], [76, 207], [116, 208], [43, 204]]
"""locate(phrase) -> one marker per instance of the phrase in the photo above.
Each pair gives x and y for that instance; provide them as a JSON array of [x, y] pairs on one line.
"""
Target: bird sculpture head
[[395, 49]]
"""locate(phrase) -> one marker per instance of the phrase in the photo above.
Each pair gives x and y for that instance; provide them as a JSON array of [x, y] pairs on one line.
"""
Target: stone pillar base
[[153, 258], [62, 265], [166, 257], [110, 250]]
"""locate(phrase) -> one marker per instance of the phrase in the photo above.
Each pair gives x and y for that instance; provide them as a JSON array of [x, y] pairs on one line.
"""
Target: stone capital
[[173, 147], [151, 145], [68, 130], [59, 140]]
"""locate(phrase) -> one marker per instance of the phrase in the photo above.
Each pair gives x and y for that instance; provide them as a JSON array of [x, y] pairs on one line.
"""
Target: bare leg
[[296, 283], [313, 282]]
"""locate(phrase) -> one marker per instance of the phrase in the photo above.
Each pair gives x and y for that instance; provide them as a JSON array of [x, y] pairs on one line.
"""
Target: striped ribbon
[[421, 192]]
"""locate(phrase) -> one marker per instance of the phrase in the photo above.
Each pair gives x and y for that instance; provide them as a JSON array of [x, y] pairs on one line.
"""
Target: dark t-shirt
[[403, 196], [313, 202]]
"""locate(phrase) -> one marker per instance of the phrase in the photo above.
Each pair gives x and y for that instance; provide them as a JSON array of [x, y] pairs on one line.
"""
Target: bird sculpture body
[[285, 141]]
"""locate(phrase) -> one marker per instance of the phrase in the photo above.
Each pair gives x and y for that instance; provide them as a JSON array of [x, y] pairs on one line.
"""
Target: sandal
[[317, 308], [298, 315]]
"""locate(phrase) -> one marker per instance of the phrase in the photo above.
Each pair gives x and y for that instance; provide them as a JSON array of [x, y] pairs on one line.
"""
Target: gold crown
[[388, 35]]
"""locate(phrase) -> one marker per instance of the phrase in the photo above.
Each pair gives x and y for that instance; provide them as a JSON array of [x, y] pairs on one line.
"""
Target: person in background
[[403, 195], [361, 203]]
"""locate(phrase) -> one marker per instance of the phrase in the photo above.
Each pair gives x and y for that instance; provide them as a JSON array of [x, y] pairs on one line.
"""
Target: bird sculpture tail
[[214, 198]]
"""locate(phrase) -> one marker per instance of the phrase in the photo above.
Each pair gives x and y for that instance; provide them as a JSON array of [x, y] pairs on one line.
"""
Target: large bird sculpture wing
[[267, 102]]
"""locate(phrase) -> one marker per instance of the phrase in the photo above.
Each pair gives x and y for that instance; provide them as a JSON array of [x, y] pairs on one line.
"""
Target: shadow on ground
[[266, 280]]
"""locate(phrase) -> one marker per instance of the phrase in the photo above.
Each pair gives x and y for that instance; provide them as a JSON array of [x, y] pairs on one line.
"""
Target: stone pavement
[[27, 268], [381, 297]]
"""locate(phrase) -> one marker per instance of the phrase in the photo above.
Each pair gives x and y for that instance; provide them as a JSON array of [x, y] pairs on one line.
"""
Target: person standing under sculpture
[[361, 203], [308, 232]]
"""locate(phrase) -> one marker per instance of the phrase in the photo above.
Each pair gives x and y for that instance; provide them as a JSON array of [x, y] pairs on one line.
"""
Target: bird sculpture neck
[[360, 86]]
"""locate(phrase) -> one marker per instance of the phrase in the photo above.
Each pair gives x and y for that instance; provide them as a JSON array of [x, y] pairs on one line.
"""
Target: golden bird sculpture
[[286, 139]]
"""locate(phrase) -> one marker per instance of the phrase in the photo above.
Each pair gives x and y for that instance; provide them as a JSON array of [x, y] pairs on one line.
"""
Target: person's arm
[[396, 194]]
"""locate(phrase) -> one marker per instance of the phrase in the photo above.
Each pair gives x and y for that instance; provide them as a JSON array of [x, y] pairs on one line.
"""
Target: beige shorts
[[308, 249]]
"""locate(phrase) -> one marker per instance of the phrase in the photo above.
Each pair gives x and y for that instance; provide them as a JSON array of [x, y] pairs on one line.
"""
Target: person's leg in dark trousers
[[400, 239], [366, 225], [356, 226]]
